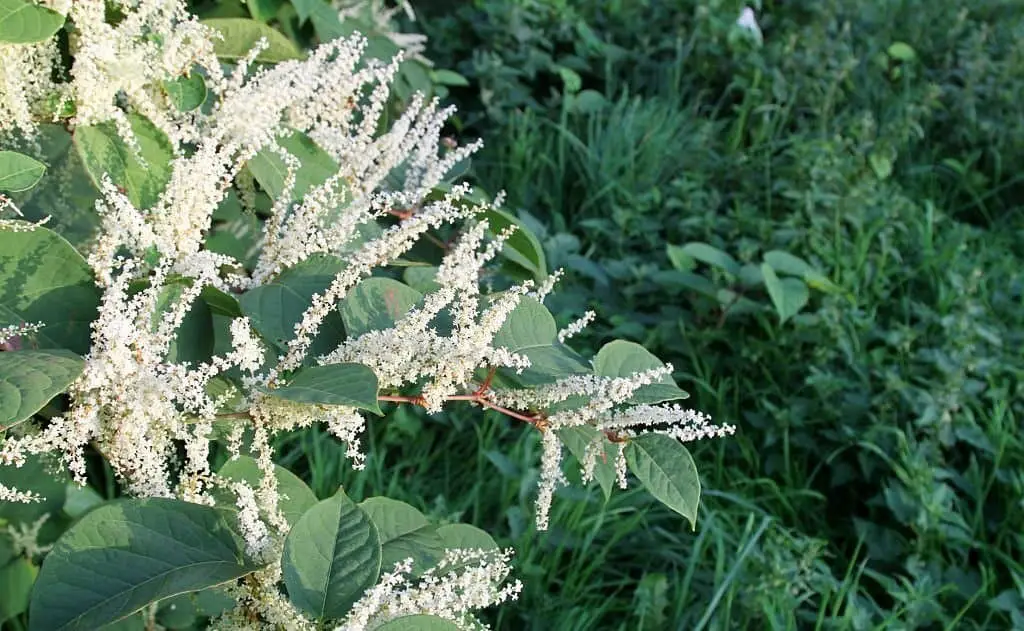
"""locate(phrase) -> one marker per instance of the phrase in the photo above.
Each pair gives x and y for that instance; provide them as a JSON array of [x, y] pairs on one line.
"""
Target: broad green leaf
[[789, 295], [522, 247], [270, 170], [276, 307], [193, 341], [66, 193], [667, 471], [19, 172], [623, 359], [529, 324], [331, 556], [404, 533], [187, 92], [786, 263], [43, 279], [465, 537], [235, 233], [23, 22], [712, 256], [418, 622], [577, 439], [213, 601], [221, 303], [353, 385], [547, 365], [295, 498], [79, 500], [29, 379], [422, 278], [142, 174], [40, 476], [177, 612], [127, 554], [17, 578], [240, 35], [375, 304]]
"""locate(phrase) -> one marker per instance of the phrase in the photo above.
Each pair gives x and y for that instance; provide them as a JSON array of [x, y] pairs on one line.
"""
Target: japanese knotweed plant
[[176, 331]]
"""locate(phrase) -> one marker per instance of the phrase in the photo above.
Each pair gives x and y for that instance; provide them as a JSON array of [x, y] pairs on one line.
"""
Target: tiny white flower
[[748, 22]]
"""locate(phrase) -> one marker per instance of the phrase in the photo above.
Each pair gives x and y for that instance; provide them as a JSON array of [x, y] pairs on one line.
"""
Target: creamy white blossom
[[463, 581]]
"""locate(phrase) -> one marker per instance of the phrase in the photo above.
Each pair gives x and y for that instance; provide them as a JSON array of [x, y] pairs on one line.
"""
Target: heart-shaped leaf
[[127, 554], [331, 556], [28, 379], [667, 471]]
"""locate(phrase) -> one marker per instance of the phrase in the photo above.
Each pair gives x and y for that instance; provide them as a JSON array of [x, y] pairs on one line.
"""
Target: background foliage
[[664, 155]]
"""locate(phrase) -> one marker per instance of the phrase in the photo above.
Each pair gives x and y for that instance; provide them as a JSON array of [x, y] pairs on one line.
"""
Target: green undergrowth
[[876, 477]]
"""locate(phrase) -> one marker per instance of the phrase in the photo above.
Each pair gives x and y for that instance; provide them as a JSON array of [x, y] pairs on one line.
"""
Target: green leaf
[[142, 175], [79, 500], [901, 51], [786, 263], [276, 307], [17, 578], [622, 359], [422, 278], [547, 365], [295, 498], [29, 379], [529, 324], [404, 533], [788, 295], [375, 304], [240, 35], [418, 622], [39, 475], [19, 172], [881, 164], [465, 537], [187, 92], [331, 556], [353, 385], [193, 341], [712, 256], [43, 279], [127, 554], [316, 166], [177, 612], [221, 303], [667, 471], [522, 247], [679, 258], [577, 439], [448, 77], [24, 22]]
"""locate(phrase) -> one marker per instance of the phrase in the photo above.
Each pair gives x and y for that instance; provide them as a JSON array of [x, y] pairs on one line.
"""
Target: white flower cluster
[[463, 581], [156, 41], [602, 404], [414, 349], [130, 400]]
